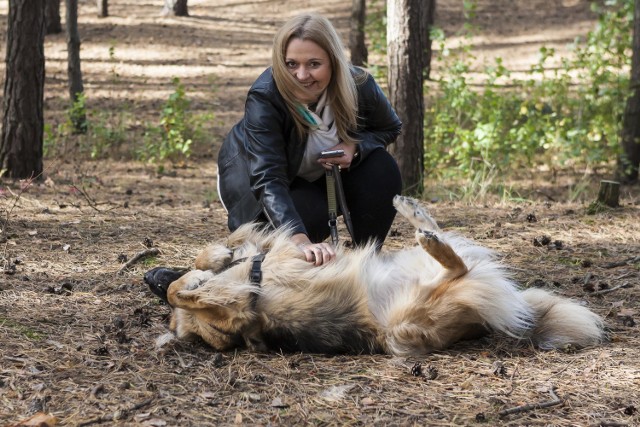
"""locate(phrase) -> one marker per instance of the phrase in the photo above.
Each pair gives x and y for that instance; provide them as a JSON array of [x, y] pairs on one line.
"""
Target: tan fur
[[409, 302]]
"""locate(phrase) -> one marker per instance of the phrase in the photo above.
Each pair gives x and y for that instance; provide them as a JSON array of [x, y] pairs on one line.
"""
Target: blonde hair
[[342, 94]]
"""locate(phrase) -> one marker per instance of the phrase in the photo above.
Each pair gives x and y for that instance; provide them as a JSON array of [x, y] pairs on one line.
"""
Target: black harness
[[255, 275]]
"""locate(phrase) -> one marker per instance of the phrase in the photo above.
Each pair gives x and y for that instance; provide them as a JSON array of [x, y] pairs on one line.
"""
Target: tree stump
[[608, 197], [609, 193]]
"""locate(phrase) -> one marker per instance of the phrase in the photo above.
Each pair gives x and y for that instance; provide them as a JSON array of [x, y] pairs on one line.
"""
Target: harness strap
[[256, 269]]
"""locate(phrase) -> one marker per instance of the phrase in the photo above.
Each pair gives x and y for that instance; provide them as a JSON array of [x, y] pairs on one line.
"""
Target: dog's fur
[[408, 302]]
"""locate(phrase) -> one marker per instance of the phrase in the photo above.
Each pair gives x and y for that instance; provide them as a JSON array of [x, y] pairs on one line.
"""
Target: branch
[[627, 261], [555, 400], [615, 288], [138, 257], [119, 414]]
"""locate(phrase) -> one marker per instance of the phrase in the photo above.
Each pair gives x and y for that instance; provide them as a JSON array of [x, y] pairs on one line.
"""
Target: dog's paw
[[214, 257], [426, 235], [415, 213]]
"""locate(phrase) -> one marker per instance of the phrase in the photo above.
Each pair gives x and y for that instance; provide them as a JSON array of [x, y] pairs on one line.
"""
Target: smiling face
[[310, 65]]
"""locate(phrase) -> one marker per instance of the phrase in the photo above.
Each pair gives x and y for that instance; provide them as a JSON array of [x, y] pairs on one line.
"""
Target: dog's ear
[[187, 283], [187, 300]]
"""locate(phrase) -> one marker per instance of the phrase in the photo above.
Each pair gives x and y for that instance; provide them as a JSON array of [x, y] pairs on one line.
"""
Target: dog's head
[[216, 306], [218, 301]]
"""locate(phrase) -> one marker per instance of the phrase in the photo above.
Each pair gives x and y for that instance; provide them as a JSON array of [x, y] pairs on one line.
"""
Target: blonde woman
[[311, 100]]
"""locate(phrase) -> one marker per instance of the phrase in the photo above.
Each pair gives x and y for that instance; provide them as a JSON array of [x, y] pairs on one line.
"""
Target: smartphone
[[331, 153]]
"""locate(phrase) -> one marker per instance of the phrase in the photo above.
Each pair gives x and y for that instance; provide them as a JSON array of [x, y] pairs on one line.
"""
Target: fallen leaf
[[278, 403], [238, 419], [38, 420], [336, 392], [155, 422], [367, 401]]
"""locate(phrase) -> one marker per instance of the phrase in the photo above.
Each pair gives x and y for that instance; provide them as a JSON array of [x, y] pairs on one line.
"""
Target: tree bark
[[74, 71], [629, 161], [52, 17], [175, 7], [23, 122], [406, 56], [428, 9], [357, 46], [609, 193], [103, 8]]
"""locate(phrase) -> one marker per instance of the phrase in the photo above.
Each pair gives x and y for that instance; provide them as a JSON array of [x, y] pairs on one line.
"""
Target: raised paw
[[441, 252], [415, 213], [426, 234]]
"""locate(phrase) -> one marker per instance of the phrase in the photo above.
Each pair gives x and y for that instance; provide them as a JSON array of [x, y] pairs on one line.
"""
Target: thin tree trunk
[[103, 8], [629, 162], [23, 122], [52, 17], [428, 12], [175, 7], [405, 58], [359, 54], [74, 72]]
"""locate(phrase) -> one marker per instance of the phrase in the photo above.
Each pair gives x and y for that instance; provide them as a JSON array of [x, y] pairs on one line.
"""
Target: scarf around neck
[[322, 136]]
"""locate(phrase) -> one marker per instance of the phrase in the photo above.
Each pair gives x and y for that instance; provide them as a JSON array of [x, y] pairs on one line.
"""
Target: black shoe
[[160, 278]]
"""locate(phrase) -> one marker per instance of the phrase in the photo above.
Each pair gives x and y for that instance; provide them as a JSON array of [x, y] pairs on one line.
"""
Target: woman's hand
[[343, 162], [317, 253]]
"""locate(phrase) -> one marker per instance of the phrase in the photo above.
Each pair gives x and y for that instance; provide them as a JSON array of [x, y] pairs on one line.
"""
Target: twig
[[92, 203], [138, 257], [512, 382], [555, 400], [606, 291], [119, 414], [621, 263]]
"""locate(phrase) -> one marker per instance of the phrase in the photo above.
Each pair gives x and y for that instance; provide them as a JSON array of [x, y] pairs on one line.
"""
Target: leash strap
[[342, 200], [333, 204]]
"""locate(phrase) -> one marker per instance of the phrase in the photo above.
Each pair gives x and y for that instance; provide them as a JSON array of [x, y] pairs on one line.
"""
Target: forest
[[528, 139]]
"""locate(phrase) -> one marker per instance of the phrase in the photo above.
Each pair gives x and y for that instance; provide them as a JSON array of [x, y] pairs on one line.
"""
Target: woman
[[311, 100]]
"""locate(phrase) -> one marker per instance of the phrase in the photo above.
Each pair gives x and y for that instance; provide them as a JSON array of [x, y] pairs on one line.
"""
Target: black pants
[[369, 189]]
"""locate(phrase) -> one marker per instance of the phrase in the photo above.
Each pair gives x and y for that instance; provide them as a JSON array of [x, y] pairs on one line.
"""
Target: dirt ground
[[78, 330]]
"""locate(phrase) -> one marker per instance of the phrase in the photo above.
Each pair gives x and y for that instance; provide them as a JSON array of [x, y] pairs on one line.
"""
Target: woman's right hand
[[317, 253]]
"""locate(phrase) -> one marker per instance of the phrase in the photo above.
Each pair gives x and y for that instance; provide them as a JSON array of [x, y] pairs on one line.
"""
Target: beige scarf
[[322, 136]]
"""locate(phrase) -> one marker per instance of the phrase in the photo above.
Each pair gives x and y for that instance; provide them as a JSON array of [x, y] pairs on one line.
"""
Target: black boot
[[160, 278]]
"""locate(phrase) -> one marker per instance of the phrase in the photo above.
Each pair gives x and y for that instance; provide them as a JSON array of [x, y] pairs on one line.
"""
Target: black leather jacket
[[261, 155]]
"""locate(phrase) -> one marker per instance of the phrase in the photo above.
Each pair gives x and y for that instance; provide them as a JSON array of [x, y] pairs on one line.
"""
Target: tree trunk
[[428, 9], [23, 122], [405, 56], [74, 72], [359, 54], [629, 162], [103, 8], [52, 17], [175, 7]]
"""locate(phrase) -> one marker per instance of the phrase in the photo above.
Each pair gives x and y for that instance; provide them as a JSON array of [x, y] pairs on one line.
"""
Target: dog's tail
[[559, 322]]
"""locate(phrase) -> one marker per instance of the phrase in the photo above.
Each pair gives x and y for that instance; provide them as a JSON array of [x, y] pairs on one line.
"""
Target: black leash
[[334, 188]]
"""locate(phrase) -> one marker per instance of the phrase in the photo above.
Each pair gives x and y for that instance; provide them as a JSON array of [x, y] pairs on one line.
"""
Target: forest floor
[[78, 330]]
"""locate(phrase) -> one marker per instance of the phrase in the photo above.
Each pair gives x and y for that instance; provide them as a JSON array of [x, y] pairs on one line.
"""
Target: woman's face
[[311, 67]]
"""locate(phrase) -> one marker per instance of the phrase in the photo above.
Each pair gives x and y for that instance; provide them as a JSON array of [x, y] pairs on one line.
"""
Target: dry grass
[[78, 337]]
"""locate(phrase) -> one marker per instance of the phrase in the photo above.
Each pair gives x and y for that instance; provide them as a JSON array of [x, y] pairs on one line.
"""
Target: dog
[[258, 291]]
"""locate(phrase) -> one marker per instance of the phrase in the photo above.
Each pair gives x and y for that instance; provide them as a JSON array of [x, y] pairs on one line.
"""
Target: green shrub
[[172, 140], [568, 116]]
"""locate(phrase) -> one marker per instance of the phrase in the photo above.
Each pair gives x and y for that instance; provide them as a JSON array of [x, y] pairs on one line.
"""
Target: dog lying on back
[[258, 291]]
